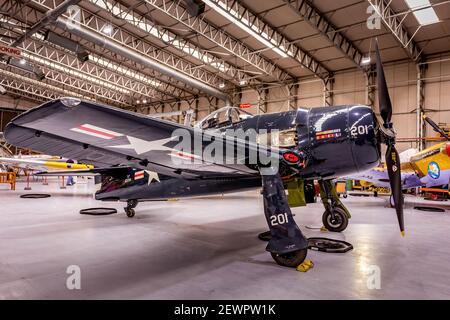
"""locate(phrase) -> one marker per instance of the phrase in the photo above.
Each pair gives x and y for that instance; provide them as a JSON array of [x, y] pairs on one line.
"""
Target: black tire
[[291, 259], [98, 211], [339, 224], [345, 196], [35, 196], [130, 212]]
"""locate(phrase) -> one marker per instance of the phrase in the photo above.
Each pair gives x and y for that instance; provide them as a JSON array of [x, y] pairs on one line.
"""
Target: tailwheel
[[336, 221], [130, 212], [291, 259], [129, 209]]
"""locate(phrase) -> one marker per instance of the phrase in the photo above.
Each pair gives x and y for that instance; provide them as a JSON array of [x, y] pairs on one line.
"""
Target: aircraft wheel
[[338, 224], [130, 212], [291, 259]]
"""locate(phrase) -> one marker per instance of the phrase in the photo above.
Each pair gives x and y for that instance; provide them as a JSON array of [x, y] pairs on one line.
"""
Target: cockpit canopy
[[223, 117]]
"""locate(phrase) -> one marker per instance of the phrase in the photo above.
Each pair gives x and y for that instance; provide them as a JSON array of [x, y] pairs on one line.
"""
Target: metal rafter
[[119, 11], [236, 10], [128, 40], [63, 69], [319, 21], [393, 22], [219, 37], [37, 90], [100, 69]]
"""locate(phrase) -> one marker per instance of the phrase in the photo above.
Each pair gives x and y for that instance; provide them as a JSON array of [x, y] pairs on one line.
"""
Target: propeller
[[436, 127], [388, 137]]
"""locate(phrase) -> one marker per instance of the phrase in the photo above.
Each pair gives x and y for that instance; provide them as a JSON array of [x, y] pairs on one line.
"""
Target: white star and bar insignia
[[142, 146], [151, 175]]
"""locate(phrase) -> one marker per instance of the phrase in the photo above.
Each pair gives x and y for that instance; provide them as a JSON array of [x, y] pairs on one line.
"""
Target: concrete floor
[[206, 248]]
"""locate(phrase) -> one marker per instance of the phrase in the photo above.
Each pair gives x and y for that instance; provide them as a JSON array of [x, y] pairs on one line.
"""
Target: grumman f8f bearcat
[[139, 158]]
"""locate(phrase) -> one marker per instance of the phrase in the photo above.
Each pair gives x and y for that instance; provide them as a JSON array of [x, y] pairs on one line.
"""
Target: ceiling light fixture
[[107, 29], [243, 23], [365, 60]]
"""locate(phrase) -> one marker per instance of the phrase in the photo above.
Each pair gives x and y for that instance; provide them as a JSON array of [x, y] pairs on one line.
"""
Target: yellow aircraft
[[42, 163], [427, 168]]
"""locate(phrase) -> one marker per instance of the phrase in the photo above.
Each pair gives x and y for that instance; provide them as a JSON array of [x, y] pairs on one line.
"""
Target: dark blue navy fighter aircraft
[[134, 154]]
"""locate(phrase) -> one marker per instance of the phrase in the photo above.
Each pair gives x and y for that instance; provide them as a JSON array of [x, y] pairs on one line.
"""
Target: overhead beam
[[236, 10], [49, 17], [38, 90], [395, 25], [220, 38], [121, 42], [229, 72], [112, 45], [320, 22]]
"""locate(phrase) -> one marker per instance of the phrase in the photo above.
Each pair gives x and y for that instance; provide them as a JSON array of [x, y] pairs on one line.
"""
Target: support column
[[328, 90], [197, 103], [263, 93], [370, 76], [179, 109], [237, 97], [420, 124], [293, 89], [216, 103]]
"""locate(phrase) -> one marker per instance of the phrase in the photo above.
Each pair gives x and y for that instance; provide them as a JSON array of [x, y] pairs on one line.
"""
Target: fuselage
[[334, 141]]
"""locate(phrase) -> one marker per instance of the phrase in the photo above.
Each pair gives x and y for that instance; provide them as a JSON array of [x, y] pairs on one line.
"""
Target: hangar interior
[[158, 57]]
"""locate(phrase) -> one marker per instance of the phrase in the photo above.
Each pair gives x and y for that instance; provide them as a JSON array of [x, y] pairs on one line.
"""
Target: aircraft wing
[[107, 137], [379, 177]]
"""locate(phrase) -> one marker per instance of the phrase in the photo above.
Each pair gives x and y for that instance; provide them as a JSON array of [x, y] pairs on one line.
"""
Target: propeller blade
[[383, 93], [395, 179], [436, 127]]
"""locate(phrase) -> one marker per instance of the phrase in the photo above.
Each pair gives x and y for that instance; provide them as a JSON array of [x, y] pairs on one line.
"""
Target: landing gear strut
[[335, 218], [129, 209], [287, 245]]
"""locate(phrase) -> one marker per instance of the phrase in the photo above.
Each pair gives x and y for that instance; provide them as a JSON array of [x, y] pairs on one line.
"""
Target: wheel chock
[[323, 229], [305, 265]]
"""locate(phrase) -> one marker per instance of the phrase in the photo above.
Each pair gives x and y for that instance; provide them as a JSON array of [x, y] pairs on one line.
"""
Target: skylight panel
[[423, 11]]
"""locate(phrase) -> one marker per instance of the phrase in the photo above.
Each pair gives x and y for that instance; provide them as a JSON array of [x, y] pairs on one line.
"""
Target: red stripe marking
[[185, 155], [97, 132]]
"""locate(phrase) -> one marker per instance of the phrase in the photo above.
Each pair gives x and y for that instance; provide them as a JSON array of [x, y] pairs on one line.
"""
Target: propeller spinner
[[388, 137]]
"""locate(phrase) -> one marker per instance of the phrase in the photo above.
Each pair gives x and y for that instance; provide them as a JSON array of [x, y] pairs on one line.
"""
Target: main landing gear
[[129, 209], [287, 245], [335, 218]]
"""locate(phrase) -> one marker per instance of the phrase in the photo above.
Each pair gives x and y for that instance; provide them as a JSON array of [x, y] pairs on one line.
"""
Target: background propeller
[[436, 127], [388, 137]]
